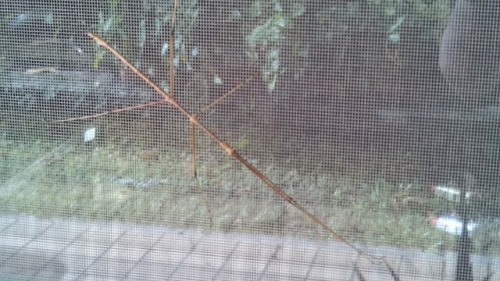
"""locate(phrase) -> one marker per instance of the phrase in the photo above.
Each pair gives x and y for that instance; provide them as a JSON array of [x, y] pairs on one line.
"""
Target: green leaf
[[98, 58]]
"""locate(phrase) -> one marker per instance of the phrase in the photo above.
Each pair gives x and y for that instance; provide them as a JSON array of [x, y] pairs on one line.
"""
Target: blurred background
[[374, 114]]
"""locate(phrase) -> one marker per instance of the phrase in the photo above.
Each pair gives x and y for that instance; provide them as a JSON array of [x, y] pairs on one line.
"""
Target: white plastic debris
[[449, 193], [164, 49], [89, 135], [195, 51], [217, 80], [139, 184], [452, 224]]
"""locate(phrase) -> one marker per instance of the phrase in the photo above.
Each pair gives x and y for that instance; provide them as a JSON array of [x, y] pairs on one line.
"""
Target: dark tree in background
[[469, 59]]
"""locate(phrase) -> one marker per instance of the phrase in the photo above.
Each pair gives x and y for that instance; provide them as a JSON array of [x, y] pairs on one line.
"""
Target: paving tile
[[238, 275], [6, 252], [330, 273], [212, 260], [199, 265], [294, 258], [173, 247], [133, 245], [250, 256], [335, 253], [298, 251], [66, 230], [332, 262], [211, 252], [110, 268], [55, 269], [35, 264], [77, 263], [191, 250], [141, 237], [27, 226], [89, 247], [15, 267], [146, 270], [217, 244], [287, 269], [82, 250], [69, 249], [48, 246], [15, 241], [171, 258], [102, 234], [96, 277], [193, 272], [126, 248], [279, 276], [7, 221]]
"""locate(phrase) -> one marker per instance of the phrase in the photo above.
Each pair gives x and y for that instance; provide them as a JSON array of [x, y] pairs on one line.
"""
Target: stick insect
[[194, 120]]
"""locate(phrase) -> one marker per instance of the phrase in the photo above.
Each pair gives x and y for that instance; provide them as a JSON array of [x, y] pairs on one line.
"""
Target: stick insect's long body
[[226, 147]]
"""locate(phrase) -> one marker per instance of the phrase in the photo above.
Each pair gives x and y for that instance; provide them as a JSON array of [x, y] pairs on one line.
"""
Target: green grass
[[55, 178]]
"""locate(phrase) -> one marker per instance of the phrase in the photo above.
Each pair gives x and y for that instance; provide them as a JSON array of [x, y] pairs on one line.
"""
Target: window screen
[[249, 140]]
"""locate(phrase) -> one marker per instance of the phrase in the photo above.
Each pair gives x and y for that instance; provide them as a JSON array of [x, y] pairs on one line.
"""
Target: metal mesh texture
[[380, 118]]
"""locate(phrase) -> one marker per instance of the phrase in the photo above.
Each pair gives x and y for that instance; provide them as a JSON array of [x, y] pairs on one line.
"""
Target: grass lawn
[[125, 176]]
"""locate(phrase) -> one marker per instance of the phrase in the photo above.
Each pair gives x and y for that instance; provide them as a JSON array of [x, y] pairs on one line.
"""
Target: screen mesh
[[274, 140]]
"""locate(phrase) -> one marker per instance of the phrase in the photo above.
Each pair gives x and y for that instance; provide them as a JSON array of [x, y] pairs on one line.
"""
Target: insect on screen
[[249, 140]]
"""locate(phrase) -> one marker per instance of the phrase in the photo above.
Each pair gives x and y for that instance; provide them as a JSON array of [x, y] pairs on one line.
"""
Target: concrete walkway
[[70, 249]]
